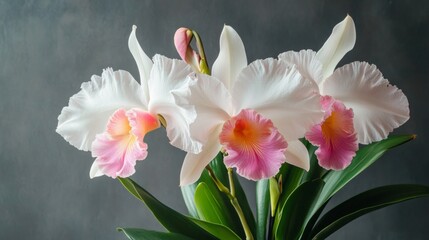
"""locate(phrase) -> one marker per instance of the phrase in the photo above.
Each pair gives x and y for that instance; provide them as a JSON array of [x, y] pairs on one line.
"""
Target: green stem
[[204, 68], [232, 198], [231, 182], [243, 220]]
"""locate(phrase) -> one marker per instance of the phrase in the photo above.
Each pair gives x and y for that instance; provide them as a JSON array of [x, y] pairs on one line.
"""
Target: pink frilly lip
[[253, 145], [121, 145], [335, 135]]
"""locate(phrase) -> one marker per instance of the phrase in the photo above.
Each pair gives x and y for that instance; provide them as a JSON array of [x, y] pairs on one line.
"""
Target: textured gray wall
[[49, 47]]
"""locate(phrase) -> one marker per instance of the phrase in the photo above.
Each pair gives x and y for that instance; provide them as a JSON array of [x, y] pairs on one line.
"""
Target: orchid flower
[[361, 106], [254, 113], [111, 114]]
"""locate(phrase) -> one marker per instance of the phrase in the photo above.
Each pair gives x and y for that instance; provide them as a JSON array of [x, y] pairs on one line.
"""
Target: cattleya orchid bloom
[[256, 113], [112, 113], [361, 106]]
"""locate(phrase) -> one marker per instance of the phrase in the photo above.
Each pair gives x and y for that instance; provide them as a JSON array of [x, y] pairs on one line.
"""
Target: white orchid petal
[[296, 154], [209, 98], [194, 164], [178, 133], [168, 75], [306, 62], [378, 106], [89, 110], [279, 92], [342, 40], [232, 57], [95, 170], [144, 64]]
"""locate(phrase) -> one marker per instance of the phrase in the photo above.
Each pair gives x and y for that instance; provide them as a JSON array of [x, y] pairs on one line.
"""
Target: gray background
[[48, 48]]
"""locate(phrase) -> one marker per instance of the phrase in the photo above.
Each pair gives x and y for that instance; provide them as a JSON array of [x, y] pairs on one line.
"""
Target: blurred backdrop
[[49, 47]]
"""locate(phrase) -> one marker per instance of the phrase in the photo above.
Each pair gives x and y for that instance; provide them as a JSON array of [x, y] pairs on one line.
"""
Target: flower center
[[245, 131], [254, 146]]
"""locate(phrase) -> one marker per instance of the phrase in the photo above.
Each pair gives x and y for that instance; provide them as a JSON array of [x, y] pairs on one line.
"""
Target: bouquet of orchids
[[297, 125]]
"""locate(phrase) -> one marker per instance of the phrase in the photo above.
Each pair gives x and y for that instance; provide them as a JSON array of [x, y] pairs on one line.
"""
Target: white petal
[[194, 164], [144, 64], [178, 121], [306, 62], [296, 154], [168, 75], [210, 100], [342, 40], [232, 57], [95, 170], [89, 110], [378, 106], [279, 92]]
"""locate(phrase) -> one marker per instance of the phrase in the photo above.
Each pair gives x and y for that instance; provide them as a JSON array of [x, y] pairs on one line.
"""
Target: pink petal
[[116, 157], [254, 146], [118, 124], [335, 136], [142, 122], [118, 149]]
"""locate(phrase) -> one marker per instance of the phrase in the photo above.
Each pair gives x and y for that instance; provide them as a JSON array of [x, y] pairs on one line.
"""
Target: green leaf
[[310, 224], [262, 208], [315, 171], [188, 193], [296, 210], [220, 169], [291, 178], [364, 203], [169, 218], [219, 231], [365, 156], [210, 206], [143, 234]]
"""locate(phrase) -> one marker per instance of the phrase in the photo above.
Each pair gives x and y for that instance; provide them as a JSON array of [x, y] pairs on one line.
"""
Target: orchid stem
[[232, 198], [204, 68], [218, 183], [231, 182]]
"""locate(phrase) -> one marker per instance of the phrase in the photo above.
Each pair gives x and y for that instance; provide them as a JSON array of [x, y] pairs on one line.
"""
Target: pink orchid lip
[[121, 145], [253, 145], [335, 136]]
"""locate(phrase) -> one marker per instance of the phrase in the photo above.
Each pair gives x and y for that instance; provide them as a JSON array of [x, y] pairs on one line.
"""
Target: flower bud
[[274, 194], [182, 41]]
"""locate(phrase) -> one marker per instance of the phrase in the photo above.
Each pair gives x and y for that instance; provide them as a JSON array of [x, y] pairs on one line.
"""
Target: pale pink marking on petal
[[254, 146], [116, 157], [118, 124], [118, 149], [141, 122], [335, 135]]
